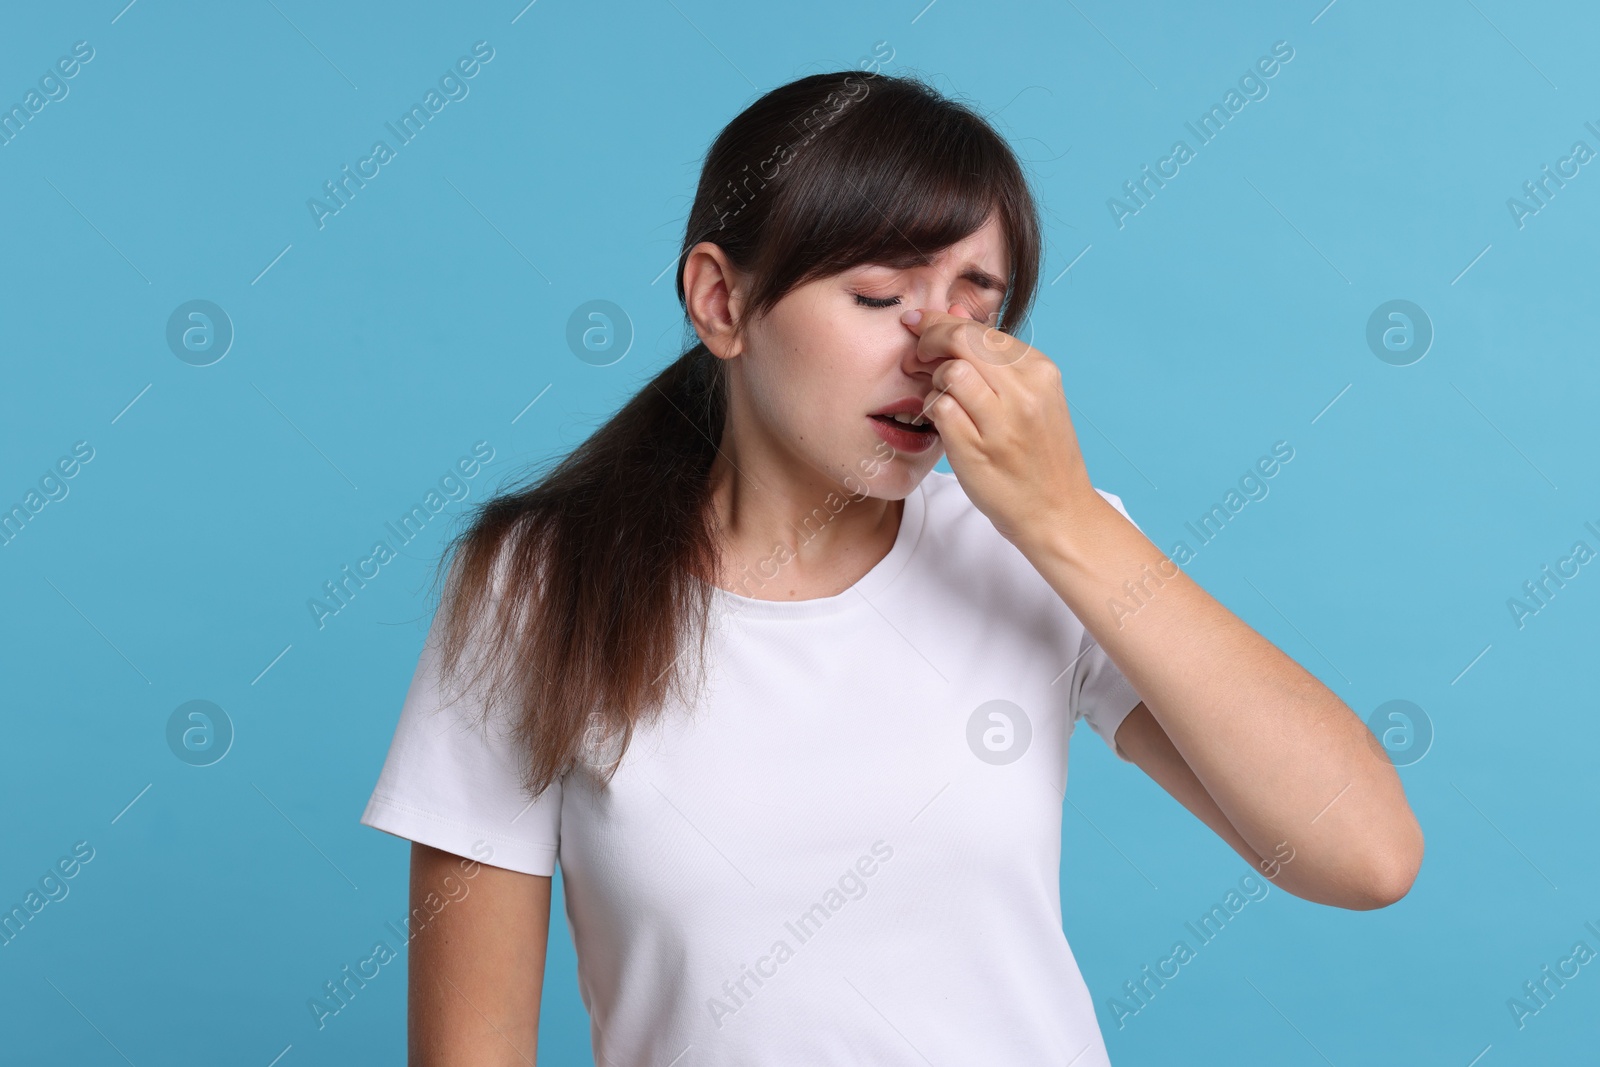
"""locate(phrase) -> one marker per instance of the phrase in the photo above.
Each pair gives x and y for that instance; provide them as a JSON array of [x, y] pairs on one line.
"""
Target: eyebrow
[[971, 272]]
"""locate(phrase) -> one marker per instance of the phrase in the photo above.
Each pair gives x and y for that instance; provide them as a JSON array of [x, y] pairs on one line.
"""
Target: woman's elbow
[[1395, 869]]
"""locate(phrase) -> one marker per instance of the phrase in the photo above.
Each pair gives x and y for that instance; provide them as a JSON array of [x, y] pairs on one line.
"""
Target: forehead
[[979, 257]]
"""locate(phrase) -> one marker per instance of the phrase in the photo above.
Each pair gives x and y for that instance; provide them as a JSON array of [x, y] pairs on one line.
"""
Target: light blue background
[[1230, 313]]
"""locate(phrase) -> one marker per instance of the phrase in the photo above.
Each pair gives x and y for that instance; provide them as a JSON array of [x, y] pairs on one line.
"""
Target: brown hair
[[587, 579]]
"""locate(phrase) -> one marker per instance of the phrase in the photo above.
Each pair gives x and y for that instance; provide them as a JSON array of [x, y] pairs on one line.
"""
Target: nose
[[916, 361], [919, 365]]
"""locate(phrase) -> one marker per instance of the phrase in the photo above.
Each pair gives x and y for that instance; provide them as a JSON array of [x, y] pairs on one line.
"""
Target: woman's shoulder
[[952, 525], [957, 538], [943, 492], [947, 498]]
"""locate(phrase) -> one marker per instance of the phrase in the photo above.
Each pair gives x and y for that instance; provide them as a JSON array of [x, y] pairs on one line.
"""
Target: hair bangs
[[895, 177]]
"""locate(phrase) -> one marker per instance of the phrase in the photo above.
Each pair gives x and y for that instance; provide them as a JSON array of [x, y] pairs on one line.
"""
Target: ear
[[713, 293]]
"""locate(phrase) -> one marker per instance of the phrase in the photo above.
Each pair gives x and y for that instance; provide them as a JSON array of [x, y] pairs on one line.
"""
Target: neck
[[787, 534]]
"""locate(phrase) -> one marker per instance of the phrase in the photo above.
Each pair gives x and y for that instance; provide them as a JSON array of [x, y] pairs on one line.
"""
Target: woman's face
[[832, 352]]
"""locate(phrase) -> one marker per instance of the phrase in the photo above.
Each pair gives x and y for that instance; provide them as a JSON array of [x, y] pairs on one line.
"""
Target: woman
[[790, 707]]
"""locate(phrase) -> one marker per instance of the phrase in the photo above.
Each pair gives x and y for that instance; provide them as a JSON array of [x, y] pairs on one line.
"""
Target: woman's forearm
[[1283, 757]]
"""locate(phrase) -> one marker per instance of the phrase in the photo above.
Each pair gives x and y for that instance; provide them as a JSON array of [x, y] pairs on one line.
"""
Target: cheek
[[860, 366], [782, 387], [828, 379], [819, 377]]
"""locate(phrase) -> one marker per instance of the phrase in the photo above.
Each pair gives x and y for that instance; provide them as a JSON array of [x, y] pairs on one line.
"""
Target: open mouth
[[905, 422]]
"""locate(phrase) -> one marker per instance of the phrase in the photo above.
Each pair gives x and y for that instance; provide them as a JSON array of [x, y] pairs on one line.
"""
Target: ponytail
[[599, 573]]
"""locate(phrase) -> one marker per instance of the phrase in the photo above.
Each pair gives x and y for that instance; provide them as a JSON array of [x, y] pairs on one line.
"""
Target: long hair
[[585, 587]]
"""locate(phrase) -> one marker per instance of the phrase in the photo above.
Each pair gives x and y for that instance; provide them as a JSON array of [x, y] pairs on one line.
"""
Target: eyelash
[[875, 301]]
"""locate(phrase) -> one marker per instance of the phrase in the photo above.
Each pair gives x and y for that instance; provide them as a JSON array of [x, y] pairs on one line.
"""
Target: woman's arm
[[1143, 741], [1286, 763], [477, 966]]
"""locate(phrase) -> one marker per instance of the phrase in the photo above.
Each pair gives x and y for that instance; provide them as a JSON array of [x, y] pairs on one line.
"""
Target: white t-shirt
[[848, 851]]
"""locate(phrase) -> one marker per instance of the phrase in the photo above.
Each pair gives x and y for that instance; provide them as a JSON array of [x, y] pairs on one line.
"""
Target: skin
[[1233, 729], [802, 380], [477, 968]]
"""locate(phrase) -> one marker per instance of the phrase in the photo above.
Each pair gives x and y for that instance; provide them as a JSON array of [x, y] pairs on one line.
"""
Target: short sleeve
[[1100, 693], [455, 784]]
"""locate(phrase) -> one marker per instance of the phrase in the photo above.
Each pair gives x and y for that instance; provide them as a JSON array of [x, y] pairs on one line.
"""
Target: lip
[[910, 405], [903, 440], [908, 441]]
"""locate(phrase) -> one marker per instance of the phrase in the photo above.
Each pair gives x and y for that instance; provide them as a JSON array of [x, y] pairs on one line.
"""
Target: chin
[[894, 478]]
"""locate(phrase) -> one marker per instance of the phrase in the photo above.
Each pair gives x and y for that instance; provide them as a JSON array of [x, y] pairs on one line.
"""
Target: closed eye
[[863, 300]]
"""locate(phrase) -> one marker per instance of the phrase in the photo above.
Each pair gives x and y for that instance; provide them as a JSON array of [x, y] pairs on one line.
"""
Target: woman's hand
[[1002, 416]]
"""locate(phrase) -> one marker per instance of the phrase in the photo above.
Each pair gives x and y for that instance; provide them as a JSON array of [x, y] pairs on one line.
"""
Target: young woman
[[790, 708]]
